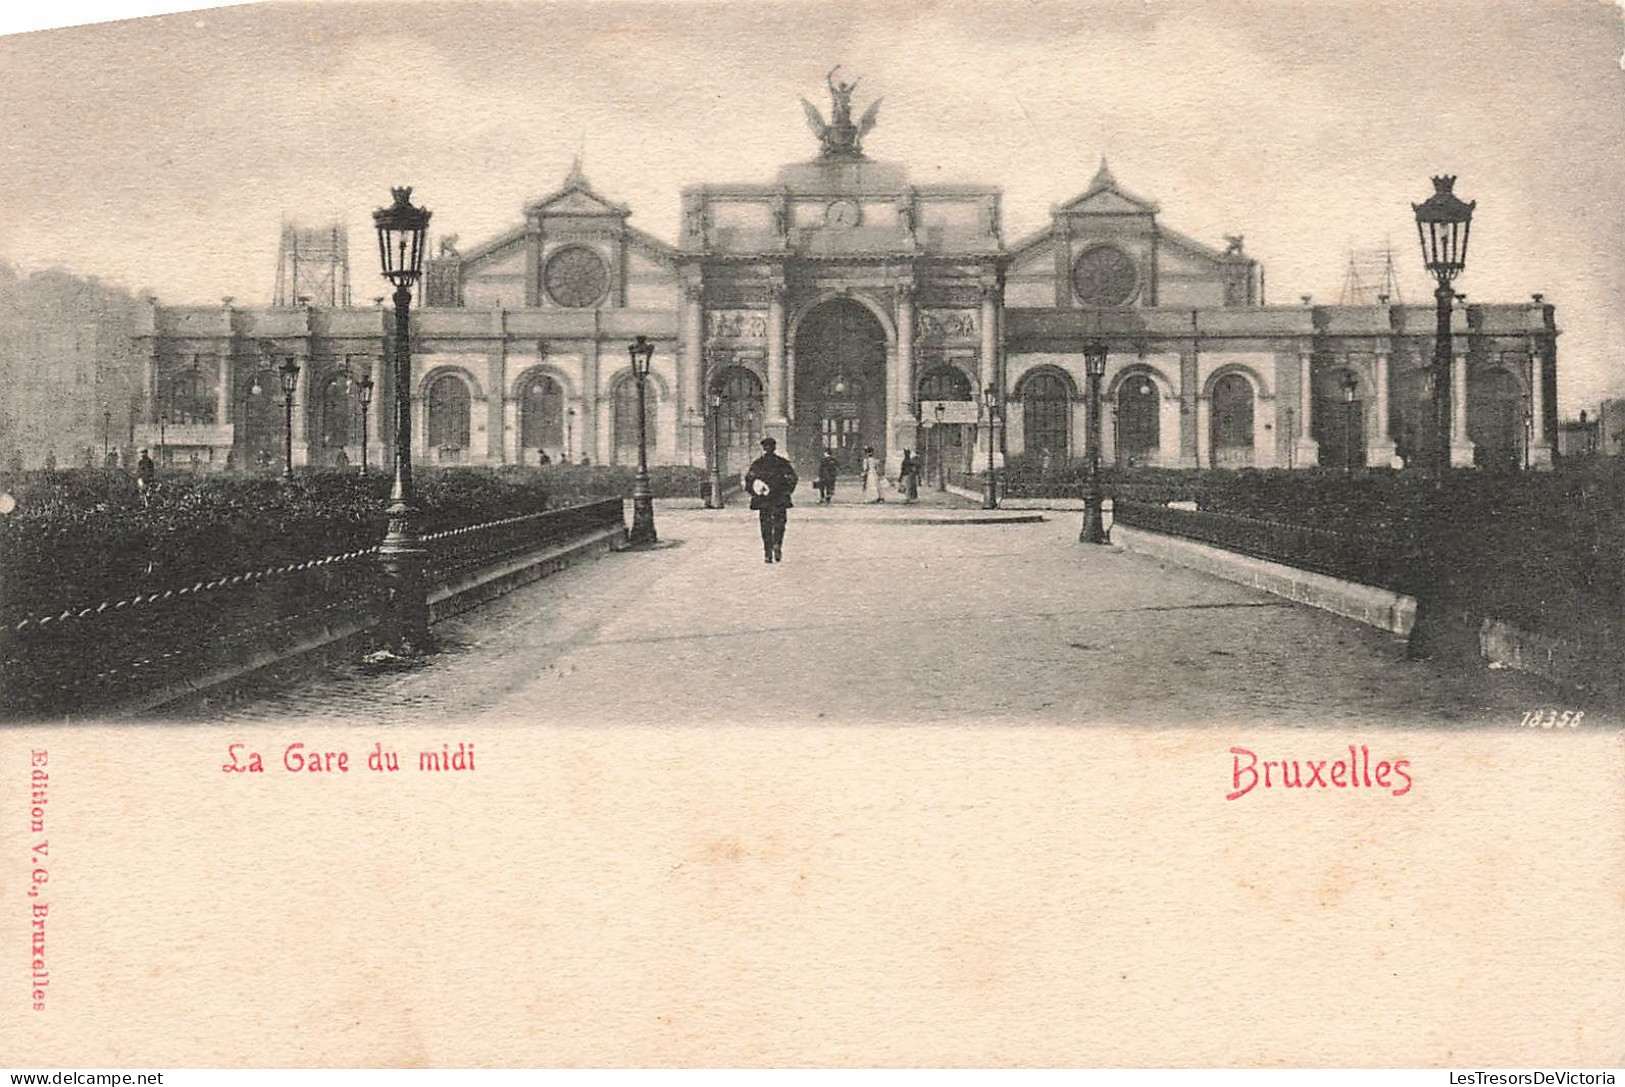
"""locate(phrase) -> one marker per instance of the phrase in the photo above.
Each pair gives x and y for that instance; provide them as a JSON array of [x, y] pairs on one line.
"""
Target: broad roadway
[[895, 614]]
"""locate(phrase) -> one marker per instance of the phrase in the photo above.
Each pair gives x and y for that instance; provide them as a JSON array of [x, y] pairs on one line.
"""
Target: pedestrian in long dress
[[871, 475], [770, 482], [908, 477]]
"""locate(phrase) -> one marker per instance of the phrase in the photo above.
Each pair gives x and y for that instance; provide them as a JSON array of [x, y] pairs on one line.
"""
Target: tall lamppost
[[289, 373], [163, 443], [1350, 386], [990, 492], [107, 432], [942, 469], [643, 504], [401, 228], [365, 387], [1443, 222], [713, 498], [1094, 527]]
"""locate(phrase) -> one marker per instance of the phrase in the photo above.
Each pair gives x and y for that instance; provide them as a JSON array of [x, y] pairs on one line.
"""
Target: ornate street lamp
[[365, 389], [1443, 222], [990, 492], [643, 503], [1350, 386], [1094, 527], [942, 469], [714, 499], [401, 228], [289, 373]]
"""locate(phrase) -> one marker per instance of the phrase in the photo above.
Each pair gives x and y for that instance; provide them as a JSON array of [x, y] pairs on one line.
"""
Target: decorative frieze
[[736, 324], [946, 324]]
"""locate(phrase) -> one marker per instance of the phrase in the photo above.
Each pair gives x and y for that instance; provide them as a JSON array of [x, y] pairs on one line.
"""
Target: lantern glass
[[401, 229], [1349, 387], [1094, 357], [289, 372], [365, 385], [641, 351], [1443, 223]]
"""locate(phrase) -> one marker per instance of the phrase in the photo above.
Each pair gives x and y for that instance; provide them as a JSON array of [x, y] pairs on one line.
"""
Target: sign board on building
[[953, 411]]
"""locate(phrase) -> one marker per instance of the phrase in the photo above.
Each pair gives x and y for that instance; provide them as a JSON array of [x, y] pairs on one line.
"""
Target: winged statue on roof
[[840, 138]]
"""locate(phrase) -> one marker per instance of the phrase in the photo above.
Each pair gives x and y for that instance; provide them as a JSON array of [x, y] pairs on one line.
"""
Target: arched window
[[626, 420], [1231, 422], [339, 403], [1497, 421], [541, 417], [1139, 421], [1046, 416], [190, 399], [448, 429], [739, 419]]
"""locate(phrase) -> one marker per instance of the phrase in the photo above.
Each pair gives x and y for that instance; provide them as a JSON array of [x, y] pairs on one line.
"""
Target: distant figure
[[585, 460], [111, 463], [50, 460], [341, 460], [828, 469], [145, 470], [1045, 461], [908, 477], [770, 482], [231, 460], [871, 475], [542, 458]]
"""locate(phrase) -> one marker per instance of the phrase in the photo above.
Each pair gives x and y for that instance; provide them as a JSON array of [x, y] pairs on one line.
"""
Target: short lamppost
[[163, 443], [1094, 526], [365, 388], [569, 432], [401, 228], [990, 492], [1350, 386], [289, 373], [942, 469], [713, 498], [107, 432], [643, 503], [1443, 222], [689, 418]]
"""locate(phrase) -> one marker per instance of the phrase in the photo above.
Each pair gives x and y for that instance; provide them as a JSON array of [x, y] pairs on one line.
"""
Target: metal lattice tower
[[313, 263], [1370, 278]]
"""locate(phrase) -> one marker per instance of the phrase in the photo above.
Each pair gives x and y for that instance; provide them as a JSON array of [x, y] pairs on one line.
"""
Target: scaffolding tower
[[313, 263], [1370, 278]]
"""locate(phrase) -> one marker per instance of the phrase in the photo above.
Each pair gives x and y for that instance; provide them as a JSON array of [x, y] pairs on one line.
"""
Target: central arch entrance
[[840, 384]]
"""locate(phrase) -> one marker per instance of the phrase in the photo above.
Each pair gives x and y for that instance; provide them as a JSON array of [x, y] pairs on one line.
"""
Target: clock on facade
[[843, 213], [576, 277], [1104, 275]]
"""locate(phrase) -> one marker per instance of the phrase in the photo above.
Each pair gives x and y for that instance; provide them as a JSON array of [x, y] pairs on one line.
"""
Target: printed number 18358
[[1552, 719]]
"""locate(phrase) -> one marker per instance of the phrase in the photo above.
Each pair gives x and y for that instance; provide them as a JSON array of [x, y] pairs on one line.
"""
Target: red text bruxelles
[[1355, 772]]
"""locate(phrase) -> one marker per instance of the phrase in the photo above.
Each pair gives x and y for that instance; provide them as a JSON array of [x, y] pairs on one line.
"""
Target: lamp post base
[[1094, 525], [713, 493], [990, 494], [406, 626], [643, 517]]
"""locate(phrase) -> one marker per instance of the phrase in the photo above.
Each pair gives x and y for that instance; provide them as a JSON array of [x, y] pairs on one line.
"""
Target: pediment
[[1110, 202], [577, 202]]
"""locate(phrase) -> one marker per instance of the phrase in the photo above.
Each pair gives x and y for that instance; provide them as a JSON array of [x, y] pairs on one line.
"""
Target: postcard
[[819, 535]]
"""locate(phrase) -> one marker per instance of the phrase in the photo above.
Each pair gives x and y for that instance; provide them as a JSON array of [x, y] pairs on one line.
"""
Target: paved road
[[892, 613]]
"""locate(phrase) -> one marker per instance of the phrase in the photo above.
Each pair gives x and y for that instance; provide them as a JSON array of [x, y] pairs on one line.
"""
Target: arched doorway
[[339, 407], [1231, 423], [1340, 421], [738, 419], [1139, 418], [1495, 420], [1046, 418], [949, 445], [541, 419], [624, 448], [447, 433], [262, 421], [840, 384]]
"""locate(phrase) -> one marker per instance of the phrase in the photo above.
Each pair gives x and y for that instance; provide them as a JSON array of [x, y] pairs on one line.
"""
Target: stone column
[[1204, 422], [1379, 448], [778, 415], [1540, 446], [901, 383], [380, 445], [222, 388], [989, 372], [1306, 451], [693, 363], [149, 384], [1461, 448], [498, 420], [586, 435], [301, 413]]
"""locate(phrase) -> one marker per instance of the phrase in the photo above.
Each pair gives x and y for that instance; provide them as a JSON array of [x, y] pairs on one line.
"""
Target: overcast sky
[[162, 152]]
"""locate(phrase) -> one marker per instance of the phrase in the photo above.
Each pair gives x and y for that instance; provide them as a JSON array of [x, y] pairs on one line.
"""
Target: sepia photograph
[[721, 534]]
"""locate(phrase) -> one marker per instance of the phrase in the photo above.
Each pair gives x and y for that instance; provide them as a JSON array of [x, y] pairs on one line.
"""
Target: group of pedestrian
[[772, 479]]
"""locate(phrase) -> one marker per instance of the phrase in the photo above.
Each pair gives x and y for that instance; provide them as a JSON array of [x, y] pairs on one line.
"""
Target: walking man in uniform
[[770, 481]]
